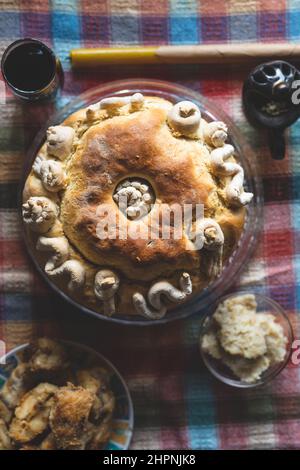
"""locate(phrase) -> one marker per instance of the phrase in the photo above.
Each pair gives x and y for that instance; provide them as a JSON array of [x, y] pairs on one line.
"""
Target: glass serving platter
[[210, 111]]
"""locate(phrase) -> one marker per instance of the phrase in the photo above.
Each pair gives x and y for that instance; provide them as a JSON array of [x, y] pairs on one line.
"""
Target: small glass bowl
[[221, 371]]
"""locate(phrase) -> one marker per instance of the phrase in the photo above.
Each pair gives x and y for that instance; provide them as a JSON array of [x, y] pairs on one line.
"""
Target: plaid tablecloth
[[177, 403]]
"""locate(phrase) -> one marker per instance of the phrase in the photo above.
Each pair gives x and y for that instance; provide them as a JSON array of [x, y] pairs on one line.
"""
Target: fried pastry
[[49, 443], [96, 381], [101, 435], [5, 412], [45, 355], [50, 416], [32, 414], [5, 441], [69, 416], [16, 386]]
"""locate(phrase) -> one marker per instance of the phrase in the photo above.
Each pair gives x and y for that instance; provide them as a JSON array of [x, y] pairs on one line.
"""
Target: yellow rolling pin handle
[[189, 54], [116, 55]]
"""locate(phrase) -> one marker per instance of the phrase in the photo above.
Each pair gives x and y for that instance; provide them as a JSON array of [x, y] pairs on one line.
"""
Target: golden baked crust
[[246, 341], [111, 144], [133, 147]]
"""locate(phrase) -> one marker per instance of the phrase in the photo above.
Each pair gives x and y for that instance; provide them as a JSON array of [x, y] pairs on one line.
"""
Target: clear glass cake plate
[[174, 93]]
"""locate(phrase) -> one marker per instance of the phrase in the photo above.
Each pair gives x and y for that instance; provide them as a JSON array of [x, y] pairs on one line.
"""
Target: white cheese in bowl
[[245, 341]]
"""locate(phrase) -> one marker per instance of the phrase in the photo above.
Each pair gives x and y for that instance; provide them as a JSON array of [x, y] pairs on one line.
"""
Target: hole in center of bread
[[134, 197]]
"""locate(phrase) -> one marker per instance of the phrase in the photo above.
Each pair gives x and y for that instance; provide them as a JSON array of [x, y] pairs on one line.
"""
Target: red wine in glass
[[31, 70]]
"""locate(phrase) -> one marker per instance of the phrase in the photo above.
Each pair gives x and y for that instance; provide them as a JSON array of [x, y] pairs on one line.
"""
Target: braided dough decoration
[[156, 292], [60, 248], [105, 287], [215, 133], [142, 308], [58, 265], [209, 235], [135, 100], [184, 117], [74, 270], [39, 213], [51, 173], [234, 191], [60, 141]]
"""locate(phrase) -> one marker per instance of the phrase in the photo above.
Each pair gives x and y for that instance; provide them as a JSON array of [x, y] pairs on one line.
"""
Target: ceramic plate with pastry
[[62, 396], [96, 202]]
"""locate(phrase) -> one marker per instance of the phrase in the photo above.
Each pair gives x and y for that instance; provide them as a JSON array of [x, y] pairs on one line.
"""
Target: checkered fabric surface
[[177, 403]]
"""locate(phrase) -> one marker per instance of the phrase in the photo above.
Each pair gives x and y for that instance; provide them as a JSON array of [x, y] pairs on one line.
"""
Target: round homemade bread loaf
[[133, 259]]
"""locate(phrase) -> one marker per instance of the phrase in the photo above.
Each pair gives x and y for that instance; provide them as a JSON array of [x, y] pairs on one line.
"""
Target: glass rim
[[15, 45]]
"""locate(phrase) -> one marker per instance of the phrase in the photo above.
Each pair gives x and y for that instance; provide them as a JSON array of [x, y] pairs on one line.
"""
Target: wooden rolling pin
[[202, 54]]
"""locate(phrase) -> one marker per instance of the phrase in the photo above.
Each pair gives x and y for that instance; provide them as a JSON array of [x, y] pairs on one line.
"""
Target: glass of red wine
[[31, 70]]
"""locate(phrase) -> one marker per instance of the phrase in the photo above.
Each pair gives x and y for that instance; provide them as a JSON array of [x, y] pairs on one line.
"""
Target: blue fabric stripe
[[184, 29], [66, 26], [199, 396], [17, 306], [10, 25], [295, 213], [294, 141], [293, 24], [66, 33], [202, 428]]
